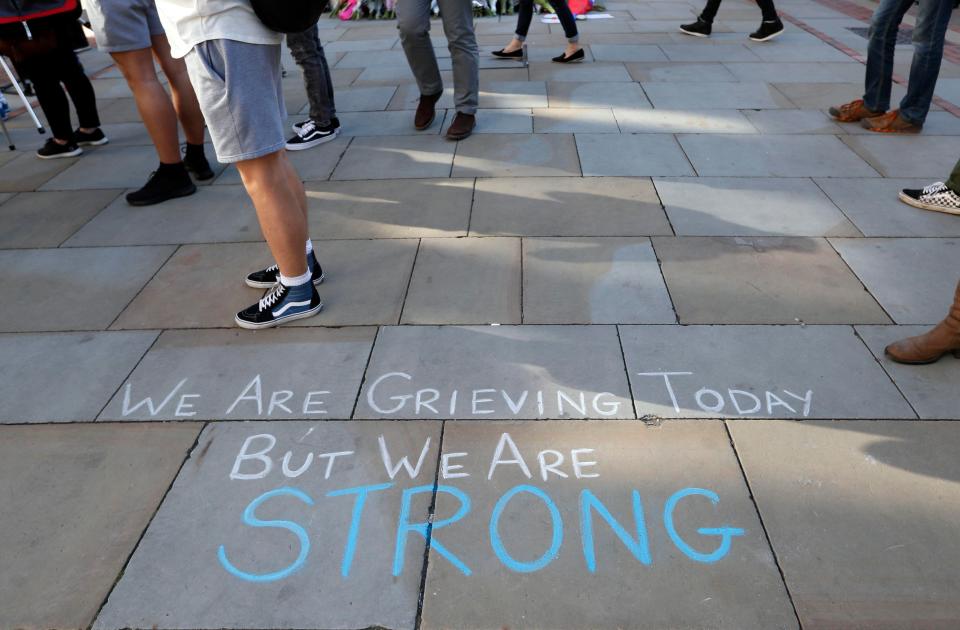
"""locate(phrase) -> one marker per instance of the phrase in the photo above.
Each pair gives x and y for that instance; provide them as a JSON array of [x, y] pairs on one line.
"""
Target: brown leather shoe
[[462, 126], [891, 122], [426, 111], [854, 111], [929, 347]]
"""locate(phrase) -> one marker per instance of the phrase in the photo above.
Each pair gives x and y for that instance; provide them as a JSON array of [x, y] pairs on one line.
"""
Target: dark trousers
[[954, 182], [525, 16], [307, 51], [47, 72], [766, 8]]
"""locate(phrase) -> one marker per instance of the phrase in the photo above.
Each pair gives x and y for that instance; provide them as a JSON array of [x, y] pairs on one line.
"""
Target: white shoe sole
[[303, 146], [264, 285], [694, 34], [767, 38], [94, 143], [281, 320], [910, 201], [69, 154]]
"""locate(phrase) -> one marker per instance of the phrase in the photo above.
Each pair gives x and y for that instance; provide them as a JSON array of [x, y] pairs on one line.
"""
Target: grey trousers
[[413, 21], [307, 51]]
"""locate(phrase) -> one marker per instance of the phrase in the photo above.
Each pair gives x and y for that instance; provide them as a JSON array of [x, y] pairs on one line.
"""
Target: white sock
[[296, 281], [309, 246]]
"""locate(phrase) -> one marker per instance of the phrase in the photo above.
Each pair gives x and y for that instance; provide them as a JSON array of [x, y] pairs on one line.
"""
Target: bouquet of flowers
[[387, 9]]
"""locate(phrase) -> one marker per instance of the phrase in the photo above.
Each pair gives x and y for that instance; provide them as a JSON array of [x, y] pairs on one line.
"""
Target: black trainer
[[310, 135], [700, 28], [767, 31], [334, 122], [169, 181], [196, 162], [93, 139], [266, 278], [53, 150], [281, 304]]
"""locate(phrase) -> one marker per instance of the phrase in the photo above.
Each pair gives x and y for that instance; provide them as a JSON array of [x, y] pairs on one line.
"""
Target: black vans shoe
[[53, 150], [311, 135], [266, 278], [334, 122], [767, 31], [280, 304], [167, 182], [93, 139], [700, 28]]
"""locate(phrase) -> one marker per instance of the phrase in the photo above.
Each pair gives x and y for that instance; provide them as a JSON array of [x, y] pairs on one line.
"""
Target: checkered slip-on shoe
[[936, 197]]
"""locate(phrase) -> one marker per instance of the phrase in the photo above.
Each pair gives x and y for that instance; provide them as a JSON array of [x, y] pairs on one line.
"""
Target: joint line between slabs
[[145, 284], [126, 378], [406, 293], [626, 371], [426, 548], [363, 378], [856, 333]]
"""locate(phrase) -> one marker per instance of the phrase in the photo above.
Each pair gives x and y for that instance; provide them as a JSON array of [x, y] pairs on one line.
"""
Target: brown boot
[[462, 126], [426, 111], [891, 122], [929, 347], [854, 111]]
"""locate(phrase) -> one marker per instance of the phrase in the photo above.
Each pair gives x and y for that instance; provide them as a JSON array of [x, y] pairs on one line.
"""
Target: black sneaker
[[53, 150], [266, 278], [281, 304], [196, 162], [310, 135], [767, 31], [93, 139], [700, 28], [334, 122], [167, 182]]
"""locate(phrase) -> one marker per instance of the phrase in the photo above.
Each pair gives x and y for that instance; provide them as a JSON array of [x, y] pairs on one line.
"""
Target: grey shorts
[[241, 95], [123, 25]]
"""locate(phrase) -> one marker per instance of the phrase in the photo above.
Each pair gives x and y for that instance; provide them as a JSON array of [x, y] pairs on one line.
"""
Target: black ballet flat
[[516, 54], [575, 57]]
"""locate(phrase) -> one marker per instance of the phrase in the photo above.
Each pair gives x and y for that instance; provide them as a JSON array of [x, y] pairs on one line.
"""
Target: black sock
[[195, 151], [171, 169]]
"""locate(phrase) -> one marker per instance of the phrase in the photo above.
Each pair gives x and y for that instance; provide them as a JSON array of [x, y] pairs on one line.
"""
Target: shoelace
[[273, 296], [933, 189], [307, 128]]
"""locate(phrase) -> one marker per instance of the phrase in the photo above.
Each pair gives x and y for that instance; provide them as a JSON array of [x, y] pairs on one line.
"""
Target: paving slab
[[683, 121], [794, 121], [651, 585], [497, 121], [748, 206], [39, 279], [505, 155], [567, 94], [385, 123], [923, 156], [863, 518], [873, 206], [641, 155], [487, 372], [730, 52], [593, 281], [913, 279], [118, 110], [465, 281], [396, 157], [76, 499], [574, 120], [746, 95], [214, 214], [40, 219], [757, 372], [773, 156], [820, 52], [504, 94], [313, 165], [687, 72], [567, 206], [822, 95], [390, 208], [24, 172], [798, 72], [763, 280], [201, 529], [626, 52], [236, 375], [579, 73]]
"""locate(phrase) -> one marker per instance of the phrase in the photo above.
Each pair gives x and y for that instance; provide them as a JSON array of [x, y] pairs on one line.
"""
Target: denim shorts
[[241, 95], [123, 25]]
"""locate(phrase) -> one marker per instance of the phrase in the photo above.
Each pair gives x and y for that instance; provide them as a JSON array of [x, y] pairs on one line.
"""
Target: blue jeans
[[928, 35]]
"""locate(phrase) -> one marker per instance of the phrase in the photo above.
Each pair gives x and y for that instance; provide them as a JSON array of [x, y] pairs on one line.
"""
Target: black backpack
[[288, 16]]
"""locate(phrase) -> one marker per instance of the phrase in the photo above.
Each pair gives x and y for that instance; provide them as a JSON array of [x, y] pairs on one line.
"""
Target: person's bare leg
[[153, 102], [279, 208], [184, 98], [296, 185]]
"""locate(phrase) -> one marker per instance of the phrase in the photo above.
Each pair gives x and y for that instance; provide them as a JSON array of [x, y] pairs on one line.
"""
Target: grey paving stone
[[873, 206], [821, 52], [76, 499], [747, 371], [747, 95], [497, 121], [936, 124], [626, 52], [52, 297], [567, 206], [397, 157], [593, 281], [912, 278], [380, 43], [200, 528], [763, 280], [39, 219], [931, 389], [513, 94], [311, 165], [386, 123], [574, 120], [863, 517], [597, 95], [642, 155], [742, 588], [686, 52], [683, 121], [824, 95], [64, 377], [536, 155], [118, 110], [465, 281], [746, 206], [213, 214], [407, 97], [793, 121], [687, 72], [236, 375], [579, 73], [380, 58], [390, 209], [22, 171], [496, 372], [773, 156], [903, 156], [114, 167], [389, 74], [798, 72]]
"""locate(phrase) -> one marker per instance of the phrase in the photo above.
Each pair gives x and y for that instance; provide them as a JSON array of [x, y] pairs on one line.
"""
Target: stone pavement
[[670, 253]]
